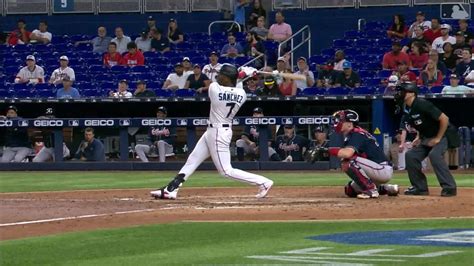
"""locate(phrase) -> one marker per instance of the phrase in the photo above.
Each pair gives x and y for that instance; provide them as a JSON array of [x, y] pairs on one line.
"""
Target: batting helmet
[[229, 71], [342, 116]]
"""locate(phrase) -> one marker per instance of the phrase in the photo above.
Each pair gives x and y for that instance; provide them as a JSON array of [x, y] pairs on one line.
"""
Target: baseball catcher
[[362, 159]]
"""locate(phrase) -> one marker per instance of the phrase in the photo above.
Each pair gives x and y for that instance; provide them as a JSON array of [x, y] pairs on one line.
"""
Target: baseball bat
[[285, 75]]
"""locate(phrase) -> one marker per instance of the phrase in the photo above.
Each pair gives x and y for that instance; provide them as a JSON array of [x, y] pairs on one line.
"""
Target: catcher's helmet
[[342, 116], [229, 71]]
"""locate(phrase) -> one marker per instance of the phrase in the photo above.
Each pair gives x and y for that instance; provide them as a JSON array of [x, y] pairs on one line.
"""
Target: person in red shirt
[[390, 59], [19, 35], [434, 32], [398, 30], [288, 86], [112, 57], [418, 55], [404, 74], [134, 57]]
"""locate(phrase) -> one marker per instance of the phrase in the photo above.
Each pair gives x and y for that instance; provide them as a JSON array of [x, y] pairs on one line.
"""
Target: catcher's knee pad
[[345, 165], [349, 190], [355, 173]]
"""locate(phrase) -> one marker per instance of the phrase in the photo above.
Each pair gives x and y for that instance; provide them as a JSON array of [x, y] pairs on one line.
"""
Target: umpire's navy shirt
[[424, 117], [365, 146]]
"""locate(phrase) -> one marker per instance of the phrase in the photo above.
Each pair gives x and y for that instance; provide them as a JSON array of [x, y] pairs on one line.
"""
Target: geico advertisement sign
[[6, 123], [156, 122], [260, 121], [313, 120], [48, 123], [99, 123], [199, 122]]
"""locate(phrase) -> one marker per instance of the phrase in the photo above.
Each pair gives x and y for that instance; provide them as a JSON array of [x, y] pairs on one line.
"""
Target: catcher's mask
[[339, 117]]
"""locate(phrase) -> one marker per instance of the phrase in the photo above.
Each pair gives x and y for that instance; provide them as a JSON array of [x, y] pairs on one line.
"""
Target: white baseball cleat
[[163, 193], [263, 190], [368, 194]]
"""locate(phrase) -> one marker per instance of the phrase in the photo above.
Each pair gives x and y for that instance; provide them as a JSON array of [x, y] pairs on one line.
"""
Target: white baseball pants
[[15, 154], [378, 173]]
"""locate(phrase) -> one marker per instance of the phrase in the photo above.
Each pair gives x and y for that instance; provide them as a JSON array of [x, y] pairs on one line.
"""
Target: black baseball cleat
[[448, 192], [412, 191]]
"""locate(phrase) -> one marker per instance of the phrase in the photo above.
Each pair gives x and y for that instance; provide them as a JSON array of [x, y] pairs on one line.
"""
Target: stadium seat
[[363, 90], [45, 94], [139, 69], [352, 34], [337, 91], [436, 89], [340, 43], [163, 93], [384, 42], [318, 59], [185, 93], [42, 86], [313, 91], [328, 52], [26, 93], [119, 69]]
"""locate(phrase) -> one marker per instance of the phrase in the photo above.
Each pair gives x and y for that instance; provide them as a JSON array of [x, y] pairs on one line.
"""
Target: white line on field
[[75, 217]]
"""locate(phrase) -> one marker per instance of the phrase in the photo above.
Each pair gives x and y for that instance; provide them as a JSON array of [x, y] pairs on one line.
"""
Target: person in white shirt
[[122, 91], [176, 80], [63, 71], [303, 69], [455, 88], [143, 42], [213, 67], [41, 35], [420, 22], [469, 79], [339, 59], [31, 73], [187, 67], [121, 40], [444, 38]]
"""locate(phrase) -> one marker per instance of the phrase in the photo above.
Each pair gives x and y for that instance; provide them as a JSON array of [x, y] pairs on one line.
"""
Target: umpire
[[431, 141]]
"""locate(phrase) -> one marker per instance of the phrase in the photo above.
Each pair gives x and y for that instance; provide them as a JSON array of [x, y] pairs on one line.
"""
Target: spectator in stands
[[90, 149], [248, 144], [239, 14], [392, 84], [63, 71], [398, 30], [122, 90], [320, 140], [466, 65], [469, 79], [255, 48], [187, 66], [435, 30], [260, 29], [112, 58], [420, 22], [348, 78], [460, 44], [430, 76], [391, 58], [175, 35], [420, 38], [252, 87], [121, 40], [303, 69], [282, 67], [31, 73], [448, 57], [15, 140], [339, 59], [67, 91], [326, 75], [433, 55], [454, 87], [99, 43], [418, 55], [142, 91], [160, 139], [143, 42], [41, 35], [197, 81], [176, 80], [288, 86], [270, 87], [20, 35], [134, 57], [468, 35], [211, 69], [257, 12], [290, 145], [404, 74], [232, 49], [158, 43], [151, 24], [444, 38], [279, 31]]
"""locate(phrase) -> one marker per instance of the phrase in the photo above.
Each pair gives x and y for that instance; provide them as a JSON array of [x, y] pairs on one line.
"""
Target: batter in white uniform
[[226, 101]]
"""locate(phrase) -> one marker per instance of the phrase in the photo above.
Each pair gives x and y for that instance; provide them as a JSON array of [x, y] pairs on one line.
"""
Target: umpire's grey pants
[[414, 158]]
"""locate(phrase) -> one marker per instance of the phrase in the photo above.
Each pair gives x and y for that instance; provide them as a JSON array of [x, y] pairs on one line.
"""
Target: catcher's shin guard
[[175, 183], [350, 191], [354, 172]]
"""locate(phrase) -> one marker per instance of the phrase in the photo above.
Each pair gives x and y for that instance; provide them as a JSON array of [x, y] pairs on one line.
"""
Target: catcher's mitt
[[317, 154]]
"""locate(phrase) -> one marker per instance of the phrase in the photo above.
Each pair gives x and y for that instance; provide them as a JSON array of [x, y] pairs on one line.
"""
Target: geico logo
[[6, 123], [313, 120], [156, 122], [260, 121], [48, 123], [96, 123], [200, 122]]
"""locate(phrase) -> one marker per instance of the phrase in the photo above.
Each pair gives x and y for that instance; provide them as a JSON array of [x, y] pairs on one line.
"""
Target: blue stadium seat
[[45, 94], [313, 91], [163, 93], [340, 43], [42, 86], [375, 34], [352, 34], [337, 91], [363, 90], [385, 73], [148, 55], [20, 87], [119, 69], [423, 90], [90, 93], [27, 93], [318, 59], [436, 89], [371, 25], [364, 43], [185, 93], [328, 52], [364, 74], [139, 69], [384, 42]]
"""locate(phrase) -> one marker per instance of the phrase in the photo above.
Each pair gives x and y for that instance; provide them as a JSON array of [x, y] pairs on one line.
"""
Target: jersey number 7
[[232, 105]]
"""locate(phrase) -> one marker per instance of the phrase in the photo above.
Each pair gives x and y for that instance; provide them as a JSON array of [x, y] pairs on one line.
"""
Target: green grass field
[[215, 243]]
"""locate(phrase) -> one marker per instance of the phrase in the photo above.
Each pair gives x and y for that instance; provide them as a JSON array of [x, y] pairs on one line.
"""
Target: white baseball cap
[[445, 26], [31, 57], [281, 58], [186, 59], [63, 57], [392, 80]]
